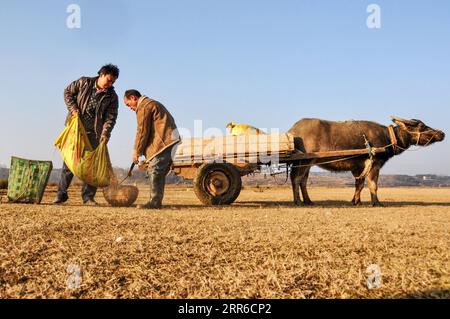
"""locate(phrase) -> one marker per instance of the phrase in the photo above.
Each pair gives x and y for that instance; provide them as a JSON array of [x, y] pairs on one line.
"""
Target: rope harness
[[419, 134], [393, 139]]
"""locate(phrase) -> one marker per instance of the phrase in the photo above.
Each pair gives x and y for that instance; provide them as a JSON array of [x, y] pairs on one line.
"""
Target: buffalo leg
[[303, 184], [359, 186], [295, 180], [373, 184]]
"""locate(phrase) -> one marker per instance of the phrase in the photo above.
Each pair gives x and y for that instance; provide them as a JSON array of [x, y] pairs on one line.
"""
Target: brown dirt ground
[[260, 247]]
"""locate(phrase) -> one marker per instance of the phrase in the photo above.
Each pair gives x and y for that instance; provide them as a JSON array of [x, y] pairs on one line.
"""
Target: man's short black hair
[[130, 93], [109, 69]]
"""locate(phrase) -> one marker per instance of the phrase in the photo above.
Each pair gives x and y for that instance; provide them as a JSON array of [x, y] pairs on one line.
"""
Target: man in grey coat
[[96, 102]]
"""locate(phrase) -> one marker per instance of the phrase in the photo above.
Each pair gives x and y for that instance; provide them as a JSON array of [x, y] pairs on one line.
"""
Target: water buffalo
[[316, 135]]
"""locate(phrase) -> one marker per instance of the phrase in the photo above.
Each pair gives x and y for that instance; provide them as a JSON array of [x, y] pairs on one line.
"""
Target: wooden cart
[[217, 164]]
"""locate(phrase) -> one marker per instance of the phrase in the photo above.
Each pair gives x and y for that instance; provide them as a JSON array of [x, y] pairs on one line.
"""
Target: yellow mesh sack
[[91, 166], [95, 167]]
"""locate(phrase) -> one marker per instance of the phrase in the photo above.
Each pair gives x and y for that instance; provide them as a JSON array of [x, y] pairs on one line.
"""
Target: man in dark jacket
[[96, 102], [156, 139]]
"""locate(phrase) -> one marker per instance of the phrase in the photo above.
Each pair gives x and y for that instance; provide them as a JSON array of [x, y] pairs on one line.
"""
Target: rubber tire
[[227, 198]]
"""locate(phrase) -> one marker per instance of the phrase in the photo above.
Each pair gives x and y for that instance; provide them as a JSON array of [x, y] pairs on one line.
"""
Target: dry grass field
[[260, 247]]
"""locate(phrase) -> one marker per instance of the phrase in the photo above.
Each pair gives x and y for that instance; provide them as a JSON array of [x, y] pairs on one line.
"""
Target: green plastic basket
[[27, 180]]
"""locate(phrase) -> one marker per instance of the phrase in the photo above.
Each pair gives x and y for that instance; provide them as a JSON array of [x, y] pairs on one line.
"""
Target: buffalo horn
[[408, 122]]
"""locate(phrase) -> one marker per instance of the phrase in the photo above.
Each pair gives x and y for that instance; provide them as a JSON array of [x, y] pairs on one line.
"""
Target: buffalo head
[[420, 134]]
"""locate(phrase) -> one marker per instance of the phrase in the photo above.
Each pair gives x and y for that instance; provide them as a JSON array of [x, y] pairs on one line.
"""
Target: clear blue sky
[[267, 63]]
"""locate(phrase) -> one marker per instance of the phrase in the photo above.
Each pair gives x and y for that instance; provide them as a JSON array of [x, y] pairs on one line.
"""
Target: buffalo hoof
[[308, 203], [377, 204], [298, 203], [356, 202]]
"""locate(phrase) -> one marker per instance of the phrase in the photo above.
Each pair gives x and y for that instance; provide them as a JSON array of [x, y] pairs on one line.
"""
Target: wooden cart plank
[[254, 157], [200, 147]]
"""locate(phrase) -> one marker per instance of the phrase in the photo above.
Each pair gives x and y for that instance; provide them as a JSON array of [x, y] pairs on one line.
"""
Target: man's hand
[[104, 139], [135, 157]]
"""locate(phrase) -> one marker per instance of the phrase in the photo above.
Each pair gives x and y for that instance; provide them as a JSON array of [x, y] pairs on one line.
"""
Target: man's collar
[[95, 83], [97, 89], [140, 101]]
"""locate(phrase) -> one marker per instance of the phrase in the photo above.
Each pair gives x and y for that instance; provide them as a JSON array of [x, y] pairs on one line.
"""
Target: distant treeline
[[346, 179]]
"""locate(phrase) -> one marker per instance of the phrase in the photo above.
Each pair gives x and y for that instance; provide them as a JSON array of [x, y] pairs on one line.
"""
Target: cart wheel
[[217, 184]]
